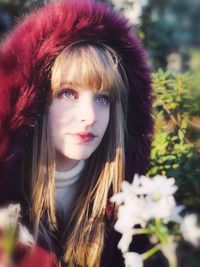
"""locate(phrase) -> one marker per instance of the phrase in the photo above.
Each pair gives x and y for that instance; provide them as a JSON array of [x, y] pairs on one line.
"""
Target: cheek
[[57, 116], [104, 121], [53, 119]]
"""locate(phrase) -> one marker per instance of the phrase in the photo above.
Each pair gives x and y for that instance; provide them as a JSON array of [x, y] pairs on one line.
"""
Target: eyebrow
[[70, 84], [79, 86]]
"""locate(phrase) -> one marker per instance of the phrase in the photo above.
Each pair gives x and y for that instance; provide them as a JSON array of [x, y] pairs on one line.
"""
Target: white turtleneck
[[66, 183]]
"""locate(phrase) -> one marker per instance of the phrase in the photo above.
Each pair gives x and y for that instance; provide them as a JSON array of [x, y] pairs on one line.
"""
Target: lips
[[84, 136]]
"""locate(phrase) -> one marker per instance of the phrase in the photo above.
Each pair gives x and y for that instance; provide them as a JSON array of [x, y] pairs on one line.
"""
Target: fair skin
[[78, 118]]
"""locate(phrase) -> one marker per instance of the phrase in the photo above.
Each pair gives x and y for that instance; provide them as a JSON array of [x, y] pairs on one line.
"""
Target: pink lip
[[84, 136]]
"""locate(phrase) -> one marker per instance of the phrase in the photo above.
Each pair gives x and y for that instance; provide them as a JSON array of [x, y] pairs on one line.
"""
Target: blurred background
[[170, 31]]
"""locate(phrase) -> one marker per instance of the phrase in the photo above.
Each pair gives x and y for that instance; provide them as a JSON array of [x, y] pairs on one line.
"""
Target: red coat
[[38, 257]]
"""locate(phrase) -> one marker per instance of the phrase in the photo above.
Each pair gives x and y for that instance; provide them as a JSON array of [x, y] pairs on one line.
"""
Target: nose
[[87, 113]]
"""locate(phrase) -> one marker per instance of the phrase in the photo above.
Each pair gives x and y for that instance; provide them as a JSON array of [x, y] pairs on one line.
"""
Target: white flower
[[131, 214], [175, 214], [24, 236], [132, 210], [126, 196], [160, 202], [133, 259], [142, 200], [146, 198], [13, 214], [135, 186], [158, 187], [3, 217], [9, 216], [164, 208], [124, 242], [190, 229]]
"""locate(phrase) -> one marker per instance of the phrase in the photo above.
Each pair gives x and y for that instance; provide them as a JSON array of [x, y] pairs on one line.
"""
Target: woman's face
[[78, 118]]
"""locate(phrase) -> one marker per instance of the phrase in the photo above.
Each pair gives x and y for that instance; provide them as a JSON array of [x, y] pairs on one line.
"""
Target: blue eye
[[103, 99], [67, 94]]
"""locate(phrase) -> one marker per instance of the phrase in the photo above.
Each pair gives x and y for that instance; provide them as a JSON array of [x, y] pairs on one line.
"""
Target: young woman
[[75, 110]]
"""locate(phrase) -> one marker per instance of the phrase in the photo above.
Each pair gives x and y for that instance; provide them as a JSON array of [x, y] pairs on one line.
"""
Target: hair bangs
[[94, 66]]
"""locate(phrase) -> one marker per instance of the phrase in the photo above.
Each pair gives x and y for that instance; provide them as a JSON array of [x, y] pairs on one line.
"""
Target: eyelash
[[62, 92], [106, 97]]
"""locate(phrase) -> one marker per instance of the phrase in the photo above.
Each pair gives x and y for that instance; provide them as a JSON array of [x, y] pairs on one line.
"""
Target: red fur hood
[[26, 56]]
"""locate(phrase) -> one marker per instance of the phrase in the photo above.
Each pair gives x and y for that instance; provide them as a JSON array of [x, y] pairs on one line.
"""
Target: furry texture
[[26, 57]]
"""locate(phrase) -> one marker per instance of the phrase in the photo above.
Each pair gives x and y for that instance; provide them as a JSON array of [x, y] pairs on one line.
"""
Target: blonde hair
[[99, 67]]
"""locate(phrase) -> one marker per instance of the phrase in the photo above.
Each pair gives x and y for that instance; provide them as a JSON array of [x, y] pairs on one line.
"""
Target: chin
[[79, 156], [83, 157]]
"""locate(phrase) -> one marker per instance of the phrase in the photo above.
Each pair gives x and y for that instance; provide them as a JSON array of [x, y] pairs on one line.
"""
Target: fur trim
[[27, 55]]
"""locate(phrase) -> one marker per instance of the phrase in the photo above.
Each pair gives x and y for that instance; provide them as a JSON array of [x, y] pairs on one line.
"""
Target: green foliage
[[175, 149]]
